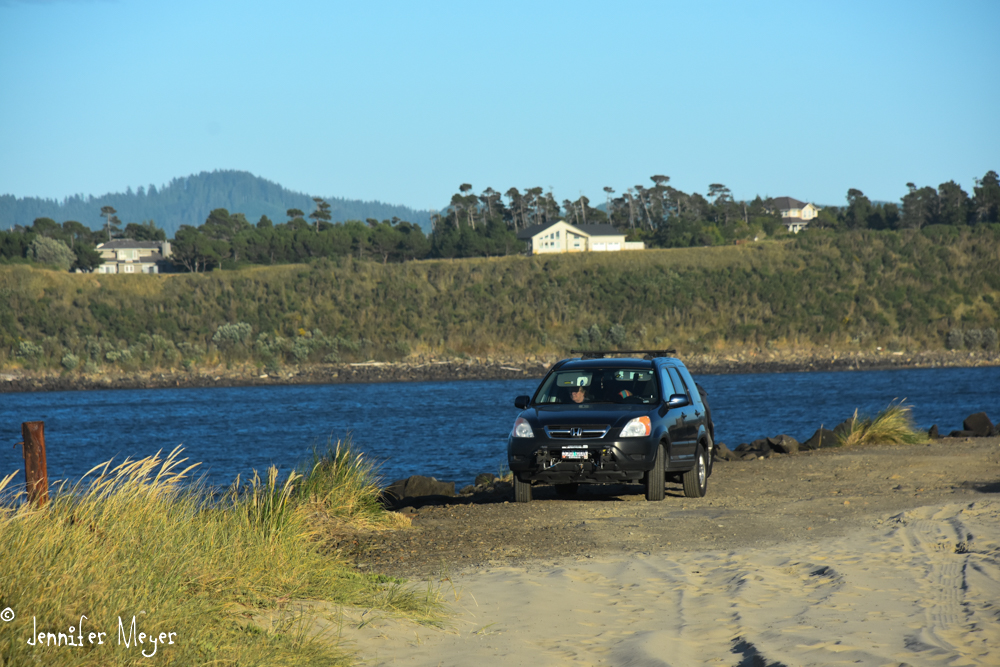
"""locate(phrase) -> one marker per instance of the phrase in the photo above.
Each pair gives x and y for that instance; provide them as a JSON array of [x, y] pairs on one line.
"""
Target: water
[[449, 430]]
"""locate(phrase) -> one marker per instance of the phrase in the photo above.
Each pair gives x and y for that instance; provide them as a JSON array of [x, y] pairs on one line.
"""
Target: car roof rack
[[600, 354]]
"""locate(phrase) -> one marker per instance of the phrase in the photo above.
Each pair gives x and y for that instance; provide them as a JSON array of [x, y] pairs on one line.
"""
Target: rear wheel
[[567, 489], [710, 454], [522, 491], [655, 479], [696, 479]]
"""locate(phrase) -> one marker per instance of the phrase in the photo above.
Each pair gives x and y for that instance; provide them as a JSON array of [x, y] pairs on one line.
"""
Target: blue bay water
[[449, 430]]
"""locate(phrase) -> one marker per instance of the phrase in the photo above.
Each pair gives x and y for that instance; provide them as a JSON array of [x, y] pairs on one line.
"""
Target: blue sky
[[403, 101]]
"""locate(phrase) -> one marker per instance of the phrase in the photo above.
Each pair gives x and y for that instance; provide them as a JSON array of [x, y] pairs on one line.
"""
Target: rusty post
[[36, 471]]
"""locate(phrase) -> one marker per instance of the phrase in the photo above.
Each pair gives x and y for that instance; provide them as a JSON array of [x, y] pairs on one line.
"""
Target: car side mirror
[[521, 402], [677, 401]]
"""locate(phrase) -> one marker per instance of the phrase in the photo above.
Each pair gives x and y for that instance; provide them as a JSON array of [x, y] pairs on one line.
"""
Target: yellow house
[[561, 236], [128, 256], [794, 213]]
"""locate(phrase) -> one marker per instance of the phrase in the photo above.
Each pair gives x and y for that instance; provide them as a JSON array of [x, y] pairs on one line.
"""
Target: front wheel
[[522, 491], [696, 479], [656, 479]]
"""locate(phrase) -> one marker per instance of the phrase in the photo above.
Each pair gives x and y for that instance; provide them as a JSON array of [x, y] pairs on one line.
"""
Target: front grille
[[583, 431]]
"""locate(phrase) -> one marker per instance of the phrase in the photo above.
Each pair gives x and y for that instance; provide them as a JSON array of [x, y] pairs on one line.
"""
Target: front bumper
[[544, 460]]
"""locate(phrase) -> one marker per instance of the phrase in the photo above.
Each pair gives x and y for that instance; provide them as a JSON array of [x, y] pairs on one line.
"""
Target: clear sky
[[404, 101]]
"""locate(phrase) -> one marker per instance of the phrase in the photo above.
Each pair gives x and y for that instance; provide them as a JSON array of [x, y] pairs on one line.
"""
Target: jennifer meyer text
[[76, 636]]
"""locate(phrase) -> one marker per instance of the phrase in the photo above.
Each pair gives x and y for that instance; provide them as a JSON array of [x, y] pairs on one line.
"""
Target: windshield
[[599, 385]]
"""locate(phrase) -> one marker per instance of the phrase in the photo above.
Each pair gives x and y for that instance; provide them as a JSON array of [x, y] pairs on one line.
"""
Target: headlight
[[636, 428], [522, 429]]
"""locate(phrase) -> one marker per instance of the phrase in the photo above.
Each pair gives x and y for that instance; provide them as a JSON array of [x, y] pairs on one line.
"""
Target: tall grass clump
[[892, 426], [341, 484], [138, 540]]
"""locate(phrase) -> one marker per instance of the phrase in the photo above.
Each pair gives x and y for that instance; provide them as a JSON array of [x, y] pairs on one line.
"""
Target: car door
[[688, 418], [682, 449]]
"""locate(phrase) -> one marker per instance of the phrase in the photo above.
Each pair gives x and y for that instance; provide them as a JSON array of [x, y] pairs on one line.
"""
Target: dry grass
[[892, 426], [137, 540]]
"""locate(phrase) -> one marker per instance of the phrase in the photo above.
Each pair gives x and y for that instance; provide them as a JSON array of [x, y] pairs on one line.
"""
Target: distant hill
[[188, 201]]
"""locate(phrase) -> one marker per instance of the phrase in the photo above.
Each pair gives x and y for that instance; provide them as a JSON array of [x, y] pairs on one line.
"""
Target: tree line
[[487, 224]]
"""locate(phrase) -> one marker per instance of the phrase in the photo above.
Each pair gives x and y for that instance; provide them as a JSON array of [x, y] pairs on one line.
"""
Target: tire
[[696, 479], [567, 489], [655, 479], [522, 491], [708, 410], [710, 454]]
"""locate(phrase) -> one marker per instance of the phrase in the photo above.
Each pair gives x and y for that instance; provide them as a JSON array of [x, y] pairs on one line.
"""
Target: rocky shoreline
[[424, 369]]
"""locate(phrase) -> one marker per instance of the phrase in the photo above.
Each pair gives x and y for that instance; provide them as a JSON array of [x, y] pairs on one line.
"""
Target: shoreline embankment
[[438, 369]]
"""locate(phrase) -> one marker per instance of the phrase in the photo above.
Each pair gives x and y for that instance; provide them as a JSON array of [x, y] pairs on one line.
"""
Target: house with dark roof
[[561, 236], [795, 214], [128, 256]]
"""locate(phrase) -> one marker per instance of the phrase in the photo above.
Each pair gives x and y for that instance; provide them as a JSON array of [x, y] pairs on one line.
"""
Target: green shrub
[[990, 339], [955, 339], [52, 252], [70, 361]]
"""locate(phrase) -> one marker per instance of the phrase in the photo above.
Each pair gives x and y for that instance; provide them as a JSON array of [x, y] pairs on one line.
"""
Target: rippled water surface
[[450, 430]]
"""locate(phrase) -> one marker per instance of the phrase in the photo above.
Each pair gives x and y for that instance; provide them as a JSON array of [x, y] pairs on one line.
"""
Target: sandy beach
[[884, 556], [921, 587]]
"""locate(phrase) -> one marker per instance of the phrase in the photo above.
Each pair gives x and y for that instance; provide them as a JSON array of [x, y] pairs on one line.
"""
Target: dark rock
[[842, 429], [722, 453], [823, 437], [933, 433], [784, 444], [979, 424], [963, 434], [467, 489], [427, 489], [484, 478]]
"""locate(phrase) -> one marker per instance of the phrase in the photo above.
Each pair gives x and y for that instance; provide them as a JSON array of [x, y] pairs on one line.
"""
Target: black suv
[[599, 419]]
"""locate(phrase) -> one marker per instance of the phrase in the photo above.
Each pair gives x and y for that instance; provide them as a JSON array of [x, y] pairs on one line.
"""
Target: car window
[[600, 385], [668, 386], [678, 382]]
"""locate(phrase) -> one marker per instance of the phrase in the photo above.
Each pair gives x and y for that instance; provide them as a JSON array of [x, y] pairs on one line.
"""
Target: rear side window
[[668, 385], [678, 382]]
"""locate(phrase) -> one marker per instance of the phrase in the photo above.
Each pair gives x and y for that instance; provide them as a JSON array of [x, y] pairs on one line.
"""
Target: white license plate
[[574, 454]]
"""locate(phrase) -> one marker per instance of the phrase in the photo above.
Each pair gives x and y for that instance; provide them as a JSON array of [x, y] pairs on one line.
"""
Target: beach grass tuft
[[139, 540], [892, 426]]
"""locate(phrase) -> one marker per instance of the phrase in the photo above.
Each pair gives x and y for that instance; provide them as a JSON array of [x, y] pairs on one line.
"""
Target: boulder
[[963, 434], [841, 429], [979, 424], [933, 433], [758, 447], [784, 444], [722, 453], [823, 437], [485, 479], [404, 491]]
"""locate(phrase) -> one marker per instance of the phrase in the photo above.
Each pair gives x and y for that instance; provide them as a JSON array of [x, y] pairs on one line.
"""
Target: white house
[[794, 213], [561, 236], [128, 256]]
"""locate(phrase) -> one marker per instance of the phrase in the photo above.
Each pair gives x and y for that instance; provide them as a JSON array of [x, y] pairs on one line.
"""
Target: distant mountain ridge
[[189, 200]]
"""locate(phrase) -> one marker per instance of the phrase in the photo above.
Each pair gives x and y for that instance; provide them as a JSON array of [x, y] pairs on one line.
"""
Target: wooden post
[[36, 472]]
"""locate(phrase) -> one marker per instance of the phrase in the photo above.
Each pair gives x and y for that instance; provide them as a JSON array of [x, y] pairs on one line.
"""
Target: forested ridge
[[487, 225], [188, 201], [921, 289]]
